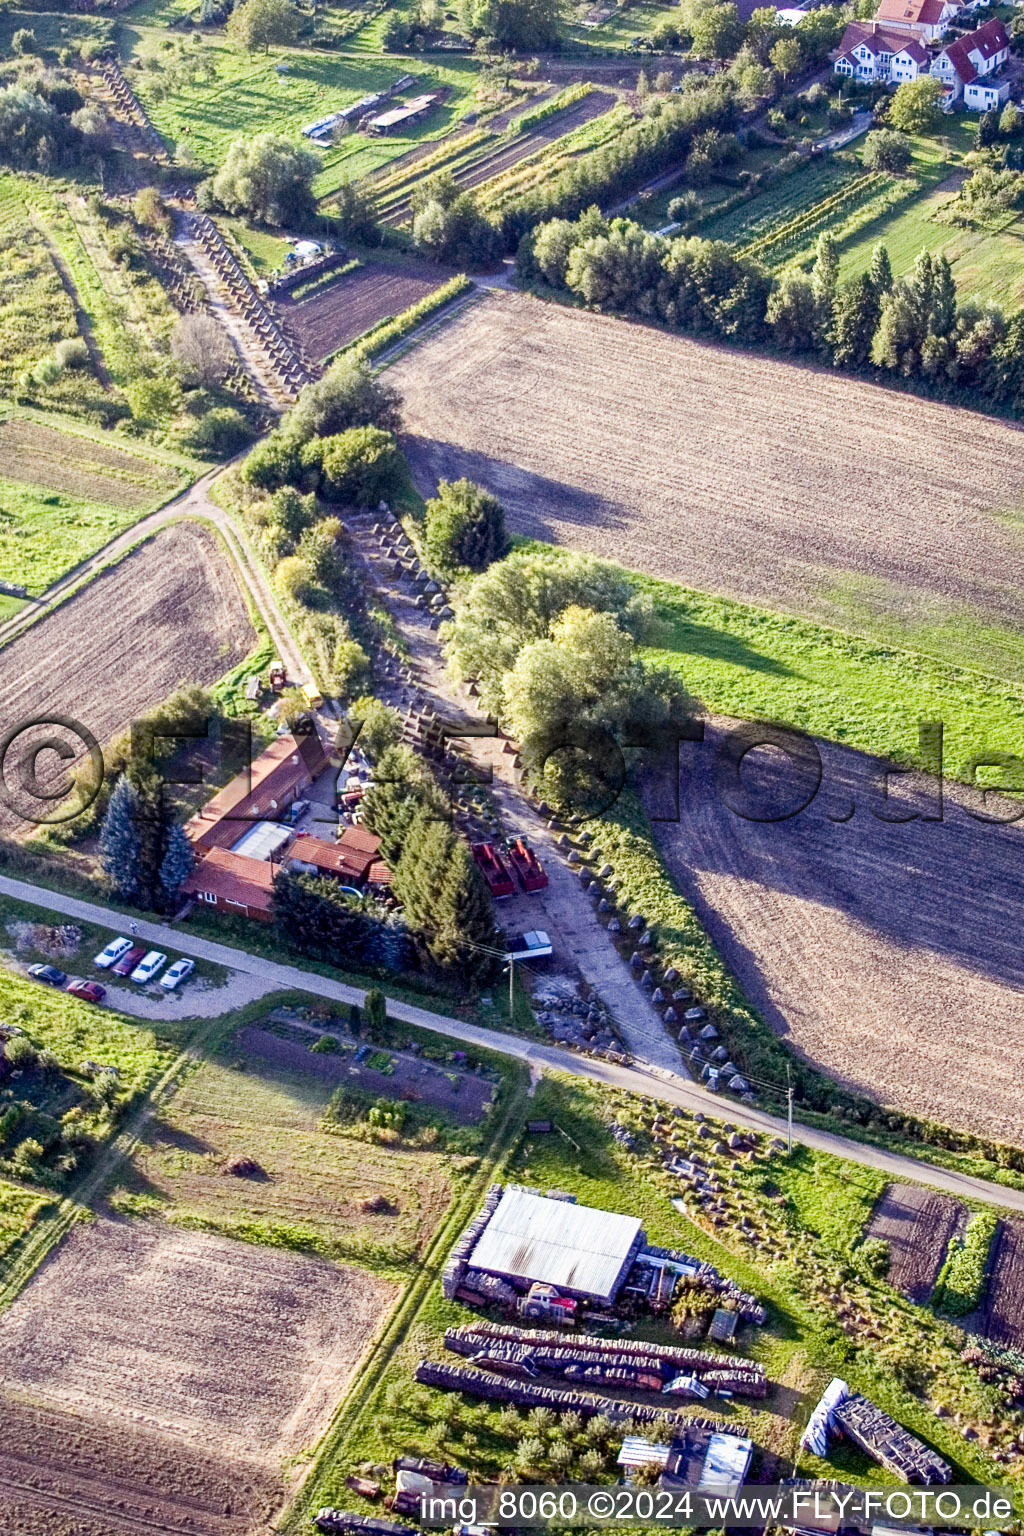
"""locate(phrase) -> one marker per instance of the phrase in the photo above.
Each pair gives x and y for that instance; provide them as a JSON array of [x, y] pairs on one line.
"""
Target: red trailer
[[497, 876], [527, 866]]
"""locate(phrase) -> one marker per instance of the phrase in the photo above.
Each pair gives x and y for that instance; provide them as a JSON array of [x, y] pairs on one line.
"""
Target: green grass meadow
[[45, 533], [867, 693], [251, 96]]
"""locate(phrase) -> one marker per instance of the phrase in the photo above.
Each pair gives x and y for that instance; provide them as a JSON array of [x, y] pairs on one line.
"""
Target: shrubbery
[[960, 1287], [464, 528]]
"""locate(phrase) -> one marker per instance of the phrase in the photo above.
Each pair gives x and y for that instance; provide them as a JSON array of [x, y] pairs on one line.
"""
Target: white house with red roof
[[869, 52], [926, 20], [965, 65]]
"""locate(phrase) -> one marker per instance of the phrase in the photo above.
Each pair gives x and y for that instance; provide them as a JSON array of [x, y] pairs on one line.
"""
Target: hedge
[[962, 1279], [387, 332]]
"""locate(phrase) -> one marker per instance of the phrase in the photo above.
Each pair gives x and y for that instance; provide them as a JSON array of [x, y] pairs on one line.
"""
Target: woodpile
[[893, 1447], [526, 1394]]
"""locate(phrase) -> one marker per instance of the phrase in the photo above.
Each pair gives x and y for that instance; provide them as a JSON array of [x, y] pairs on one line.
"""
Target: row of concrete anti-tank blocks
[[285, 356]]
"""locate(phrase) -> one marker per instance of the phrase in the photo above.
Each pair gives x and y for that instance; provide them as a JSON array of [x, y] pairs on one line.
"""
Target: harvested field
[[263, 1101], [340, 313], [171, 612], [1004, 1306], [727, 471], [917, 1224], [34, 454], [70, 1473], [135, 1349], [859, 938]]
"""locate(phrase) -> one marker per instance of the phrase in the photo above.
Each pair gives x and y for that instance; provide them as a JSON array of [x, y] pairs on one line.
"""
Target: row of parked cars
[[122, 958]]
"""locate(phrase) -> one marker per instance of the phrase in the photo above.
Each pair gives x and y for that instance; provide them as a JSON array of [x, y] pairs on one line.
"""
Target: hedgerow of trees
[[915, 328]]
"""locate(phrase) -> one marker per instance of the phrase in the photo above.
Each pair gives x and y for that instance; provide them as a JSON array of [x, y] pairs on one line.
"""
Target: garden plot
[[393, 1073], [169, 613], [1004, 1307], [261, 1104], [917, 1224], [355, 304], [859, 938], [178, 1342], [723, 470]]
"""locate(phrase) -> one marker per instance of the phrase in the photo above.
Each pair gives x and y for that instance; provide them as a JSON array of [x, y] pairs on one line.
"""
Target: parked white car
[[113, 953], [149, 965], [177, 973]]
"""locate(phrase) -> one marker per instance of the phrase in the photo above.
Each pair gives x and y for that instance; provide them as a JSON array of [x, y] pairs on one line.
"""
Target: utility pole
[[789, 1106], [511, 990]]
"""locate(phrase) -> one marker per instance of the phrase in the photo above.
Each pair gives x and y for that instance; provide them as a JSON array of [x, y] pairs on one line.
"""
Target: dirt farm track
[[170, 612], [723, 470]]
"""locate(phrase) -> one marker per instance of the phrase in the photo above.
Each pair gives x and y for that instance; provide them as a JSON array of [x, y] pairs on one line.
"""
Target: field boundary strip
[[396, 1328], [50, 1231]]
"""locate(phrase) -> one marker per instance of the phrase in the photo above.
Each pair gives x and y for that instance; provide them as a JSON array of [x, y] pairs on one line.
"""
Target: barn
[[533, 1238]]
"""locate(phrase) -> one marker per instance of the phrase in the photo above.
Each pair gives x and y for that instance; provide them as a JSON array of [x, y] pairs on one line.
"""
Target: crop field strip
[[355, 303], [1003, 1320], [181, 588], [478, 158], [34, 453]]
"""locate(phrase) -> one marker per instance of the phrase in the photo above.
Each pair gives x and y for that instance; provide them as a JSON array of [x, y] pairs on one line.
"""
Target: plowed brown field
[[339, 314], [917, 1224], [157, 1379], [888, 952], [721, 469], [1004, 1308], [171, 612]]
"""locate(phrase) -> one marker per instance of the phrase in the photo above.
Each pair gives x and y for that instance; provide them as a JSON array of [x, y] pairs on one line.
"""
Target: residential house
[[230, 882], [352, 859], [262, 792], [969, 59], [869, 53], [927, 20], [980, 95], [238, 837]]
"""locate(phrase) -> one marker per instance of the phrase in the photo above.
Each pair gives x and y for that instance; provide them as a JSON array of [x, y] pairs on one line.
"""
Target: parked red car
[[128, 962], [90, 991]]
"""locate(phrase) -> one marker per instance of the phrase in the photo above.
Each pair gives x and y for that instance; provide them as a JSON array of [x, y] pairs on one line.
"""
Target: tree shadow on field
[[161, 1135], [690, 638], [941, 881], [535, 506]]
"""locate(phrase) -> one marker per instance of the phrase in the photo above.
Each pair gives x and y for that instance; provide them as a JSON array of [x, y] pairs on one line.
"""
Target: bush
[[218, 434], [961, 1283], [326, 1045], [347, 396], [273, 463], [887, 150], [24, 42], [359, 467], [72, 353], [465, 528]]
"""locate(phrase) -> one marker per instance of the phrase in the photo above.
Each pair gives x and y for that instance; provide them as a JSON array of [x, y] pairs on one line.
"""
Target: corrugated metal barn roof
[[573, 1247]]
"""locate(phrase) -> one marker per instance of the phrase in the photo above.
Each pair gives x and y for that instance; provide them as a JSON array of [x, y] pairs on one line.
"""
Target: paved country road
[[655, 1082]]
